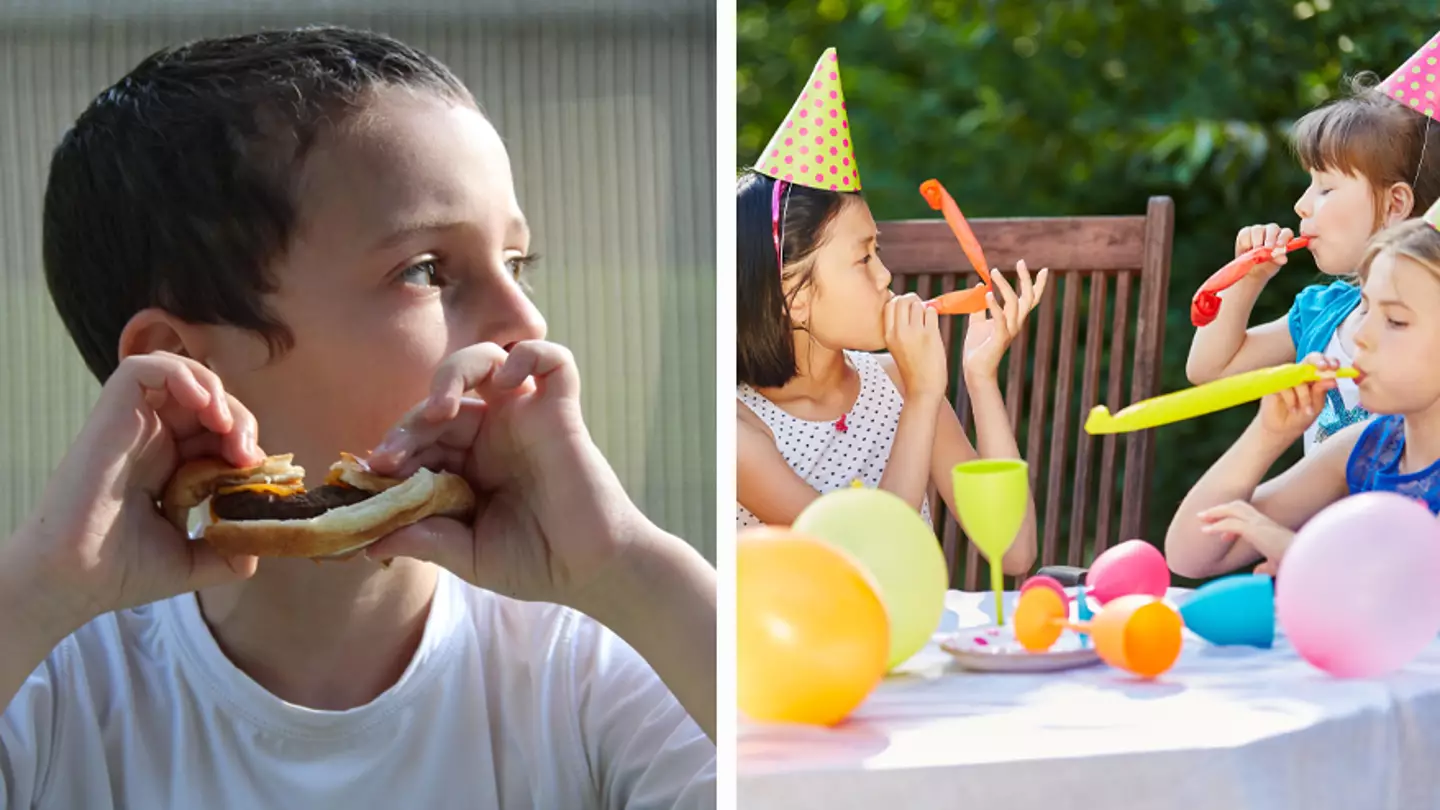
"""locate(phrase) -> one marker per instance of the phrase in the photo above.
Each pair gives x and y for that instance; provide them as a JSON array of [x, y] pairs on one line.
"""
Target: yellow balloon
[[897, 549], [811, 633]]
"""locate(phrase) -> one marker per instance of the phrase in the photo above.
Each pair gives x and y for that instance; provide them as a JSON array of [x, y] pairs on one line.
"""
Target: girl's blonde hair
[[1369, 134], [1415, 239]]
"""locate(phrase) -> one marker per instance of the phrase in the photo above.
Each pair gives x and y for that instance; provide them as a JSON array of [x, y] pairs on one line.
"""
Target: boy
[[309, 240]]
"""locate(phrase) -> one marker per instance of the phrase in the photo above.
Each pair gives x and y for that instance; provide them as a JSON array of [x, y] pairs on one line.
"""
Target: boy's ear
[[155, 330], [1399, 203]]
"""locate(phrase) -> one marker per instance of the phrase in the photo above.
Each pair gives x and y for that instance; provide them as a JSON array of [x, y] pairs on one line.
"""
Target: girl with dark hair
[[818, 409]]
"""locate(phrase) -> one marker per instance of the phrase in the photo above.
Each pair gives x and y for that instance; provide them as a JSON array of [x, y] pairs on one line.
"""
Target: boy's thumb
[[209, 567], [443, 541]]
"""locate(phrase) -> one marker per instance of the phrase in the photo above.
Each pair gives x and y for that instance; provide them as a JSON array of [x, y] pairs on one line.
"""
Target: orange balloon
[[812, 636]]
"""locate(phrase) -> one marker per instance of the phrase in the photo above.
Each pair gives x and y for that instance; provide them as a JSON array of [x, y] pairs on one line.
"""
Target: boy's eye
[[519, 264], [423, 273]]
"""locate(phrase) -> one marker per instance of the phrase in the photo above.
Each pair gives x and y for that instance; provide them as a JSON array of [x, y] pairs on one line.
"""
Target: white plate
[[994, 649]]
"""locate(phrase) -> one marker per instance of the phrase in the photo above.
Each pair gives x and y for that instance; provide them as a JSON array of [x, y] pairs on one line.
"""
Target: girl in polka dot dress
[[1230, 519], [1374, 160], [817, 409]]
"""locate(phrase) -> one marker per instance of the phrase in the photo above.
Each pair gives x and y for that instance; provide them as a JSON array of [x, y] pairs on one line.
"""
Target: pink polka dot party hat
[[812, 147], [1414, 83]]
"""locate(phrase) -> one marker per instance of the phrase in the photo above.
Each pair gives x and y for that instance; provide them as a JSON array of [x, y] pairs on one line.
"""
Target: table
[[1225, 729]]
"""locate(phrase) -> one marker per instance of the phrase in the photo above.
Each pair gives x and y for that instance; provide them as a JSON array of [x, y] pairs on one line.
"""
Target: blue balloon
[[1234, 610]]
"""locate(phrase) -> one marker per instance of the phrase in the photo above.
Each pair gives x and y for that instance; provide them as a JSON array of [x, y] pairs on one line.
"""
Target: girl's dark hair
[[1369, 134], [765, 349]]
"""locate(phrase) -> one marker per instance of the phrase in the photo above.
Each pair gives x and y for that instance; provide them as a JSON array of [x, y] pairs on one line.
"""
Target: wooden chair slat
[[1087, 256]]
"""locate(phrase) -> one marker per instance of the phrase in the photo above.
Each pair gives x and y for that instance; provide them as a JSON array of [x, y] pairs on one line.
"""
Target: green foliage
[[1074, 107]]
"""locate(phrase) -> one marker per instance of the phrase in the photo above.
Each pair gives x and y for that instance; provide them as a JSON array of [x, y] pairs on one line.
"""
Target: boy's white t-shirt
[[506, 704]]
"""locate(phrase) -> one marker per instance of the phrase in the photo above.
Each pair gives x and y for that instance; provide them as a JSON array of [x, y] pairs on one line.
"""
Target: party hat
[[1414, 83], [812, 146]]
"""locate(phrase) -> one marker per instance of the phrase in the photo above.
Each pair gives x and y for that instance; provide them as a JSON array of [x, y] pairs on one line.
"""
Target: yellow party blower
[[1207, 398]]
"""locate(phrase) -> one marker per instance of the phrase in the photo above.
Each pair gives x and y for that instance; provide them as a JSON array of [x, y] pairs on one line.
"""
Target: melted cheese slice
[[281, 490]]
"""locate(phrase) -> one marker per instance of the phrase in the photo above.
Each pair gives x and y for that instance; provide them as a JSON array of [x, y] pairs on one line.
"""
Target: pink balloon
[[1356, 592], [1131, 567]]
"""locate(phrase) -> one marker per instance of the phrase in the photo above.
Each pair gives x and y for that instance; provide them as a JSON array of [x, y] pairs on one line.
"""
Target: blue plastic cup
[[1235, 610]]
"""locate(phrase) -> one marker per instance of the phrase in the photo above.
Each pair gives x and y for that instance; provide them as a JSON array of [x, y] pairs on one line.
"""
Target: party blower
[[990, 499], [1207, 398], [1139, 634], [959, 302], [1206, 304]]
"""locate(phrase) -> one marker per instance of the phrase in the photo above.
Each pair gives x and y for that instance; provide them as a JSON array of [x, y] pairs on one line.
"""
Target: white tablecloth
[[1226, 728]]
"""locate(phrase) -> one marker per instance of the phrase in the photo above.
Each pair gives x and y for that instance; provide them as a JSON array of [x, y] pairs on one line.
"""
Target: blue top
[[1314, 319], [1316, 314], [1374, 464]]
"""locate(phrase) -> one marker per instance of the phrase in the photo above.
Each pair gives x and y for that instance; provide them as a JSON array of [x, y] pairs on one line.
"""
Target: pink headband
[[776, 221]]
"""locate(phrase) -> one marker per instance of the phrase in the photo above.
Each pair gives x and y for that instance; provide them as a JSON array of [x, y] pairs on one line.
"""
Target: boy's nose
[[507, 317]]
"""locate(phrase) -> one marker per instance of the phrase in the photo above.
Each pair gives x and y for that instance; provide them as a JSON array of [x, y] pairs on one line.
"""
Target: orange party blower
[[1206, 304], [1138, 633], [959, 302]]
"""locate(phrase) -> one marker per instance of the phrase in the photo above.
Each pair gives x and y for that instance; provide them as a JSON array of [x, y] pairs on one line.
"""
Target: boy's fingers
[[462, 371], [415, 432], [434, 457], [553, 366], [445, 542], [209, 568], [240, 445]]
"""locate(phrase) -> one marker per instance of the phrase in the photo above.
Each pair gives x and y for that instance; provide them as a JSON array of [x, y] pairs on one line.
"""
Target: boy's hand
[[1271, 235], [1287, 414], [98, 541], [988, 335], [1239, 520], [551, 514], [912, 336]]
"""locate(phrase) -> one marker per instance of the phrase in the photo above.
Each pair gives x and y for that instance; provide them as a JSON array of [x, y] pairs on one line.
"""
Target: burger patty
[[247, 505]]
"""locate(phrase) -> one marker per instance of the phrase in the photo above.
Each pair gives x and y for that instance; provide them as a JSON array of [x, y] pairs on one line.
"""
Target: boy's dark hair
[[1369, 134], [176, 187], [765, 348]]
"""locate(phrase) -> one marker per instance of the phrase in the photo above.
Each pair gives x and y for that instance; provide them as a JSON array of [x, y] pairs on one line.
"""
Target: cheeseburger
[[266, 510]]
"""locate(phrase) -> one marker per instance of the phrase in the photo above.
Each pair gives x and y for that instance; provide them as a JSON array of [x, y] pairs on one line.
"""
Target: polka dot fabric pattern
[[1415, 83], [812, 146], [832, 455]]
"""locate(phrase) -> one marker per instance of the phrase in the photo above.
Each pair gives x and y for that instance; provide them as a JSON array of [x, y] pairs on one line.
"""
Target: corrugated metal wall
[[610, 121]]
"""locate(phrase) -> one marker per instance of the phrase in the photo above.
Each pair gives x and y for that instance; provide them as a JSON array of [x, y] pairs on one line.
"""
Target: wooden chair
[[1113, 274]]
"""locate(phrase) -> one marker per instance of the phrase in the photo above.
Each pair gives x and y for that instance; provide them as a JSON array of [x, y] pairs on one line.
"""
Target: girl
[[816, 410], [1367, 159], [1230, 519]]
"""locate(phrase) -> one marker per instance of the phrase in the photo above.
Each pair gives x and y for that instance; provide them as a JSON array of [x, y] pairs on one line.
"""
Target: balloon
[[811, 632], [1234, 610], [1356, 590], [899, 551], [1133, 566]]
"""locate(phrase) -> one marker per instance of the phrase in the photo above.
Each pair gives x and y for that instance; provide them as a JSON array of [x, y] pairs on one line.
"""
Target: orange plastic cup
[[1139, 634], [1039, 619]]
